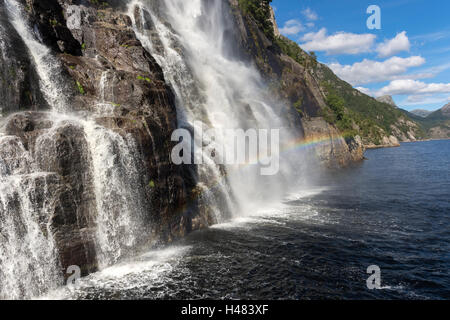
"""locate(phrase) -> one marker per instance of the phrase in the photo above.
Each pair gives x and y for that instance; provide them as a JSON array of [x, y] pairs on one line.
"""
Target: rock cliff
[[297, 86], [388, 100], [312, 90], [112, 78], [436, 124]]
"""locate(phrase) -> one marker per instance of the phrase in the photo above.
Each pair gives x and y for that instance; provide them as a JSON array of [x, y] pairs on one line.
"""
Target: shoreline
[[372, 147]]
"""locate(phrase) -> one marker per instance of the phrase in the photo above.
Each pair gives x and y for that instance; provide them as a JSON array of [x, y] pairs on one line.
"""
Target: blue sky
[[408, 58]]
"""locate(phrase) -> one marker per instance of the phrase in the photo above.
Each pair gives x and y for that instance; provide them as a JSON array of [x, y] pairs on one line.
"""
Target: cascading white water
[[118, 193], [188, 98], [47, 66], [105, 106], [28, 257], [214, 88], [29, 263]]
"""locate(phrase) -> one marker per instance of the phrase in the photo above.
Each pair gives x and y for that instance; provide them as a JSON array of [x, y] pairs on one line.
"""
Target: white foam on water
[[143, 271], [305, 193], [279, 213]]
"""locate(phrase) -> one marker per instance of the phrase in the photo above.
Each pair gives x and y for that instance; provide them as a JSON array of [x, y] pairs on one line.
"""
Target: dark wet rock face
[[48, 18], [62, 151], [300, 89], [19, 87], [120, 87]]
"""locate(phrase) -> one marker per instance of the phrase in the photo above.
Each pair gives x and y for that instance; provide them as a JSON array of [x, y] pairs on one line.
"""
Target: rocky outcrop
[[440, 132], [297, 77], [388, 100], [331, 148], [63, 152], [275, 25], [408, 135], [300, 89], [446, 110], [116, 72], [115, 81], [288, 79], [386, 142]]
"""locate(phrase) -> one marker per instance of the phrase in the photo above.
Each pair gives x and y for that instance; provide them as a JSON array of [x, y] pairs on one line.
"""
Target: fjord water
[[391, 211]]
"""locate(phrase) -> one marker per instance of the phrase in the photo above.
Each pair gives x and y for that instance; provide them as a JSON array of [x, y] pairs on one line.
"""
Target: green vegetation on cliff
[[438, 120], [260, 11], [351, 111], [292, 49], [367, 114], [338, 115]]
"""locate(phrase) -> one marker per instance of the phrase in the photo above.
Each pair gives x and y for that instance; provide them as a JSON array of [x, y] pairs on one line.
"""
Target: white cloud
[[434, 36], [370, 71], [393, 46], [414, 87], [292, 27], [364, 90], [310, 15], [338, 43], [415, 100]]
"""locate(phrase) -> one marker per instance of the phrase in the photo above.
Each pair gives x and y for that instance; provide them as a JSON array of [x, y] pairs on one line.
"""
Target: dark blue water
[[392, 211]]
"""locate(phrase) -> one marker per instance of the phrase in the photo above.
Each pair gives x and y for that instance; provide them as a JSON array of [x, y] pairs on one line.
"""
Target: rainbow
[[300, 144], [309, 142], [294, 145]]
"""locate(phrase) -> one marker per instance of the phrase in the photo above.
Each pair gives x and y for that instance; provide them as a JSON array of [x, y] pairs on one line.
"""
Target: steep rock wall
[[294, 84], [115, 80]]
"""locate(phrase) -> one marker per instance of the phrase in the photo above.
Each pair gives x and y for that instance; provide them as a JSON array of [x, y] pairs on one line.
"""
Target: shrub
[[80, 88]]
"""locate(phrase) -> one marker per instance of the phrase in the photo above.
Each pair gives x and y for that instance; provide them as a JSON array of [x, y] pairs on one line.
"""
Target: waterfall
[[118, 193], [28, 255], [29, 264], [53, 85], [214, 88], [105, 106], [29, 260]]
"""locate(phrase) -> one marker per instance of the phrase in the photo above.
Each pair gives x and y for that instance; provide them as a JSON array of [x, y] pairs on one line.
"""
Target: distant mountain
[[446, 110], [441, 114], [437, 123], [421, 113], [388, 100]]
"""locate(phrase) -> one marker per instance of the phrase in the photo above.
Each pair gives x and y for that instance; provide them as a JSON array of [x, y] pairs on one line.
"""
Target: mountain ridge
[[421, 112], [313, 90]]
